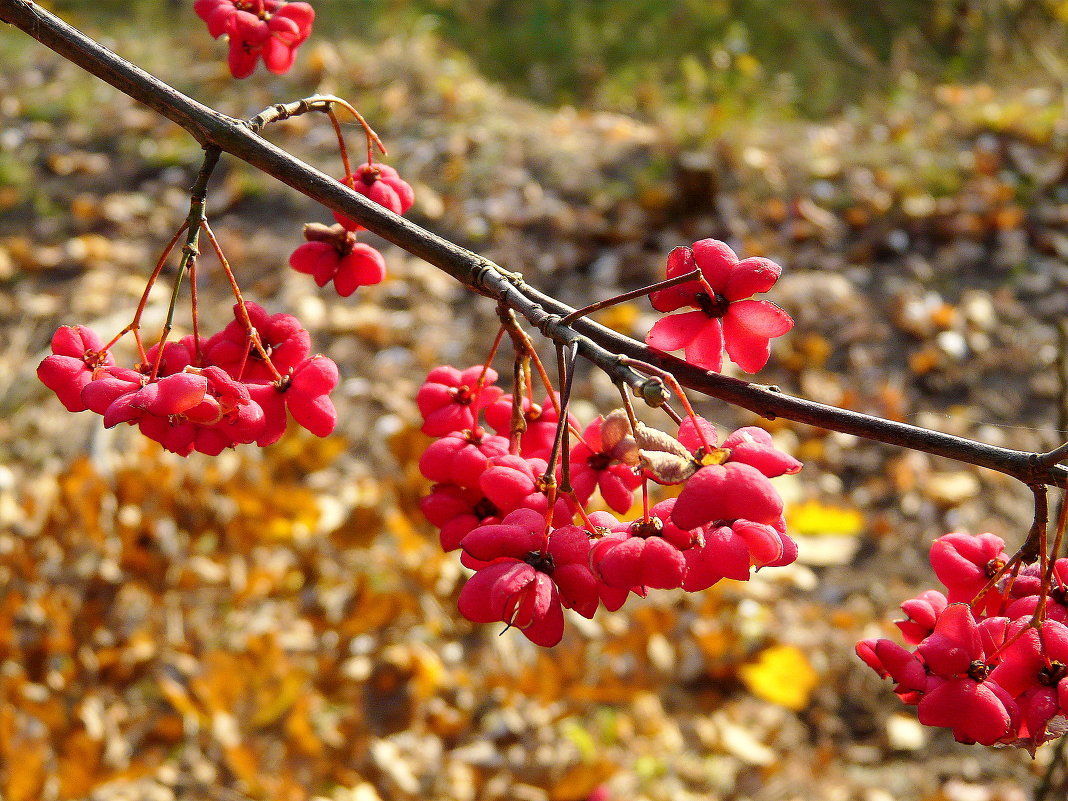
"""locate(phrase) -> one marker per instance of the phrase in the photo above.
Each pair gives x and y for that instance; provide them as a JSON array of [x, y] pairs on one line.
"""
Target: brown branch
[[596, 343]]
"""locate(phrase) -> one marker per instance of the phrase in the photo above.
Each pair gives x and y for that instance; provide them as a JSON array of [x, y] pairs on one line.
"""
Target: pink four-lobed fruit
[[267, 29], [204, 396], [725, 316]]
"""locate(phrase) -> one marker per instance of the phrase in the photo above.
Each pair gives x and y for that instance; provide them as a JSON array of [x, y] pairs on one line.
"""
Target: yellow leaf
[[581, 738], [408, 444], [621, 317], [429, 674], [814, 519], [409, 540], [300, 733], [747, 64], [360, 528], [781, 675]]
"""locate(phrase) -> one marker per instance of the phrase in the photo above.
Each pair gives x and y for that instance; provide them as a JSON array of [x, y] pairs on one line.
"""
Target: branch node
[[550, 321], [1050, 458]]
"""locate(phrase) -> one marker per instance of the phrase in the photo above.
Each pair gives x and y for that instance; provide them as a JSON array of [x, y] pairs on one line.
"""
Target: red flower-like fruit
[[725, 317], [382, 184], [360, 265], [75, 355], [450, 399], [267, 29], [516, 585]]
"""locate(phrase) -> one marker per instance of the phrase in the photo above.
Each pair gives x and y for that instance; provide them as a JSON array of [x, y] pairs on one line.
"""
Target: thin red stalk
[[489, 359], [1034, 546], [634, 293], [369, 132], [135, 323], [547, 383], [590, 526], [244, 359], [1047, 574], [193, 221], [1043, 553], [1014, 561], [711, 292], [1013, 575], [551, 490], [242, 312], [325, 103], [993, 658], [542, 374], [342, 148], [189, 256]]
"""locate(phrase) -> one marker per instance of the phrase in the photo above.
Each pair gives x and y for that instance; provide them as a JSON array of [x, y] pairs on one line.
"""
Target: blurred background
[[281, 624]]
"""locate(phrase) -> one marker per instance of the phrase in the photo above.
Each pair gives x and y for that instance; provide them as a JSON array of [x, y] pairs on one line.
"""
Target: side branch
[[595, 342]]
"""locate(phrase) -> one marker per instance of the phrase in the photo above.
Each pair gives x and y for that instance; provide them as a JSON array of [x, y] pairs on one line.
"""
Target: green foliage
[[740, 56], [815, 54]]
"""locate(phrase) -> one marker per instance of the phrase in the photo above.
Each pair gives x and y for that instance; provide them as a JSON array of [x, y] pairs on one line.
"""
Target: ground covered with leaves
[[282, 625]]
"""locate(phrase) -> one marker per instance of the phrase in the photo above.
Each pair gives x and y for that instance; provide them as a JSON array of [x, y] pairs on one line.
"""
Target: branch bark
[[595, 342]]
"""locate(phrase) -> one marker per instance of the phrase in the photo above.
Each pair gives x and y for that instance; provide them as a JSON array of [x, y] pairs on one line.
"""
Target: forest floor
[[281, 624]]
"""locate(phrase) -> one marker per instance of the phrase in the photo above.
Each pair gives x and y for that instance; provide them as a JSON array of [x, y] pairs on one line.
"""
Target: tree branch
[[598, 344]]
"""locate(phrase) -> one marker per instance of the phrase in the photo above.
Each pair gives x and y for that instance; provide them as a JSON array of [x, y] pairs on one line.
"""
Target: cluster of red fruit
[[332, 252], [496, 499], [267, 29], [233, 387], [993, 667]]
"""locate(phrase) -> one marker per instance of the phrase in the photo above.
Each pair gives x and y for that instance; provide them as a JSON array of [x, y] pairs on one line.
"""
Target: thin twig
[[197, 196], [326, 103], [194, 307], [565, 359], [1054, 456]]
